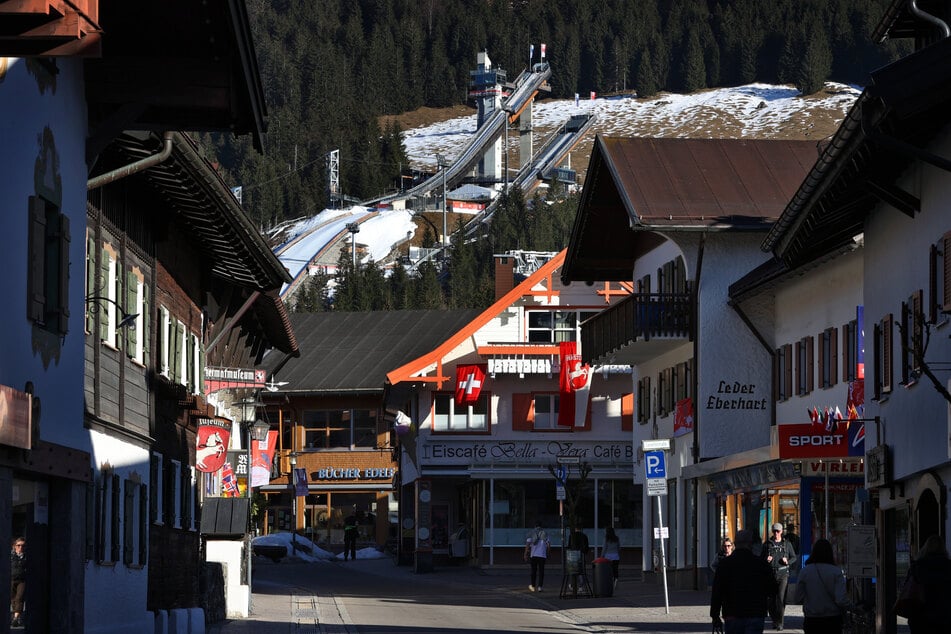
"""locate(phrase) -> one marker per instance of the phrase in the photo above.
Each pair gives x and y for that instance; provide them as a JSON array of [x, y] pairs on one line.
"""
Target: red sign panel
[[803, 440]]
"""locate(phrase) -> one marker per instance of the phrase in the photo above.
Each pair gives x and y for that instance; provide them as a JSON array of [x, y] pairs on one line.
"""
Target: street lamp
[[256, 430], [293, 459]]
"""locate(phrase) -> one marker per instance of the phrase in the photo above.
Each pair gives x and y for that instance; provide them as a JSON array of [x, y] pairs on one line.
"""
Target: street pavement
[[371, 596]]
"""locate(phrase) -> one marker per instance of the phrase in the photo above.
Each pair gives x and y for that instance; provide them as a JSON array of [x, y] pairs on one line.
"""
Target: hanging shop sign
[[218, 378], [805, 440]]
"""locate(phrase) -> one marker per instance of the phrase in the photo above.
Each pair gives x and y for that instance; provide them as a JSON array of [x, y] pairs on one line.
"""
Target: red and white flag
[[211, 444], [469, 382], [543, 52], [683, 417], [262, 458], [228, 481], [574, 384]]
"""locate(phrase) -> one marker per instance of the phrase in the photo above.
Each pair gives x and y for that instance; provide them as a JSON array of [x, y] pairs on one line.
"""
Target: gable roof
[[351, 352], [638, 185], [411, 370]]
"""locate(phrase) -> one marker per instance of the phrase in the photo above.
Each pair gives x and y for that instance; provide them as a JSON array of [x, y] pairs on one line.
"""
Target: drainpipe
[[132, 168], [927, 17]]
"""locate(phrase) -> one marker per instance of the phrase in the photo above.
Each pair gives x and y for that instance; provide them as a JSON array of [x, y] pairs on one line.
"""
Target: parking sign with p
[[656, 465]]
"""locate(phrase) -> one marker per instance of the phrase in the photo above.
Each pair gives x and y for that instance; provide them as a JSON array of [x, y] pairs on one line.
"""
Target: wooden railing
[[638, 317]]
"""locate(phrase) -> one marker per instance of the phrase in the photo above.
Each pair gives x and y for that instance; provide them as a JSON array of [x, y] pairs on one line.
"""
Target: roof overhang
[[174, 65], [887, 129], [50, 28]]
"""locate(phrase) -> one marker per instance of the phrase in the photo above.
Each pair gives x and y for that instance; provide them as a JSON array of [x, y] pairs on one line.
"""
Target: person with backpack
[[821, 591], [780, 555], [536, 552]]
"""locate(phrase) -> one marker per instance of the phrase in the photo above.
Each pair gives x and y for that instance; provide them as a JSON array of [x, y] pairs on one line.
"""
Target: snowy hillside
[[753, 111]]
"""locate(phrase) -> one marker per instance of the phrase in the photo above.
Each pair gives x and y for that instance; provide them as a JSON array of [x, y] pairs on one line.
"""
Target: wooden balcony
[[641, 326]]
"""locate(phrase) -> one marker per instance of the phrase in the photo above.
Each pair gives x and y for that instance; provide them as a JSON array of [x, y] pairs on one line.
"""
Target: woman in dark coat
[[932, 570]]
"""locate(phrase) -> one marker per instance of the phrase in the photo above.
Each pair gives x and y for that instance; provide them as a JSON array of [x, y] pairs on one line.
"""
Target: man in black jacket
[[779, 553], [740, 588]]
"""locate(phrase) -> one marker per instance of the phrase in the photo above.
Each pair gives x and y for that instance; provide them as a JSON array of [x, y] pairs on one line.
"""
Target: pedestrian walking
[[741, 586], [17, 580], [612, 551], [536, 553], [350, 536], [780, 555], [924, 595], [821, 591], [725, 551]]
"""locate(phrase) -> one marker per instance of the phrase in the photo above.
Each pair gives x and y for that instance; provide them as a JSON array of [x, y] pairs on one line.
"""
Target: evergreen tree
[[815, 66]]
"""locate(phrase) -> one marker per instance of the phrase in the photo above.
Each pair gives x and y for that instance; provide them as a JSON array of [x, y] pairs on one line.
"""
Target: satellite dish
[[273, 386]]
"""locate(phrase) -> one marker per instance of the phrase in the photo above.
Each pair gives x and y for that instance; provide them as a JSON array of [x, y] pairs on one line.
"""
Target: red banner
[[469, 382], [262, 457], [211, 443], [574, 382], [683, 417]]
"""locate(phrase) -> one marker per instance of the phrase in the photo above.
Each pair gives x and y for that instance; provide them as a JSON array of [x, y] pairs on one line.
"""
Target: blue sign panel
[[656, 464]]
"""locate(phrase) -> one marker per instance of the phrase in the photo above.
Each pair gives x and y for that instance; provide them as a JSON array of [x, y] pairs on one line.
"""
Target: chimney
[[504, 275]]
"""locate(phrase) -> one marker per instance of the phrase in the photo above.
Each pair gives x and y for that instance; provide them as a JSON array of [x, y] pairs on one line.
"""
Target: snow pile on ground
[[309, 551]]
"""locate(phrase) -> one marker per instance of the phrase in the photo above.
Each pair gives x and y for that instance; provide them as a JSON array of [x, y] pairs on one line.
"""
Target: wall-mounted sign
[[371, 473], [734, 395], [805, 440], [525, 452], [15, 417], [218, 378]]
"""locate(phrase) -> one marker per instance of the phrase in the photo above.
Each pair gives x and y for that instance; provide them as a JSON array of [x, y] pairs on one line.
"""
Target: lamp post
[[255, 430], [293, 459]]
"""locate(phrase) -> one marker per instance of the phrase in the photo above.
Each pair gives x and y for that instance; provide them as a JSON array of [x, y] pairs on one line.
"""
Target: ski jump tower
[[486, 88]]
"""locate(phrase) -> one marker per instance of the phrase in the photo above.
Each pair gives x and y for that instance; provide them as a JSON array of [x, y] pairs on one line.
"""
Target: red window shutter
[[822, 359], [523, 412], [627, 412], [833, 355], [788, 369]]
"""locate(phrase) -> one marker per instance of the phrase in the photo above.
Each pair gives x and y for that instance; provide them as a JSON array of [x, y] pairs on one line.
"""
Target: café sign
[[534, 452]]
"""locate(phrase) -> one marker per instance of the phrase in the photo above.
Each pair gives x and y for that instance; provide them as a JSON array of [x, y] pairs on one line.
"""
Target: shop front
[[812, 496], [494, 492], [329, 487]]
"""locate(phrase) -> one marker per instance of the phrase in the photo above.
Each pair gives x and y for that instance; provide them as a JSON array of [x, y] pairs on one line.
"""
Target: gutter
[[133, 168]]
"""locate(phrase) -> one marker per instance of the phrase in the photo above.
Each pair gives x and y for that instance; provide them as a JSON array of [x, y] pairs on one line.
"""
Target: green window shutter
[[146, 323], [90, 279], [176, 358], [36, 266], [131, 306], [104, 260], [201, 369]]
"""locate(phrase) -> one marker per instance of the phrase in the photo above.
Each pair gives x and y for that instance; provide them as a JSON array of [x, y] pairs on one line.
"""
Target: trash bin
[[603, 577]]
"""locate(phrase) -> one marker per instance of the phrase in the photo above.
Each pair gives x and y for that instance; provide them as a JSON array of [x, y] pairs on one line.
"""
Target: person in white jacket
[[821, 591]]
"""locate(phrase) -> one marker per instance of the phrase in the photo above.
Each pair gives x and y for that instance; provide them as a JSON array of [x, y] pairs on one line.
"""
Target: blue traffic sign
[[656, 464]]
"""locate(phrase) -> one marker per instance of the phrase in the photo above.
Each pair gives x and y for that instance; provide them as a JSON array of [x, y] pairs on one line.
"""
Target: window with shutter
[[47, 289], [849, 350], [164, 342], [779, 366], [828, 357], [448, 417]]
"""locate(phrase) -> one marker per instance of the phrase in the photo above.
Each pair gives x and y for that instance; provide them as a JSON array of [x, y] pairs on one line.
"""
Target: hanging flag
[[469, 382], [262, 458], [683, 417], [813, 416], [856, 397], [543, 52], [574, 383], [211, 444], [228, 481], [300, 481], [593, 95], [860, 342], [531, 53]]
